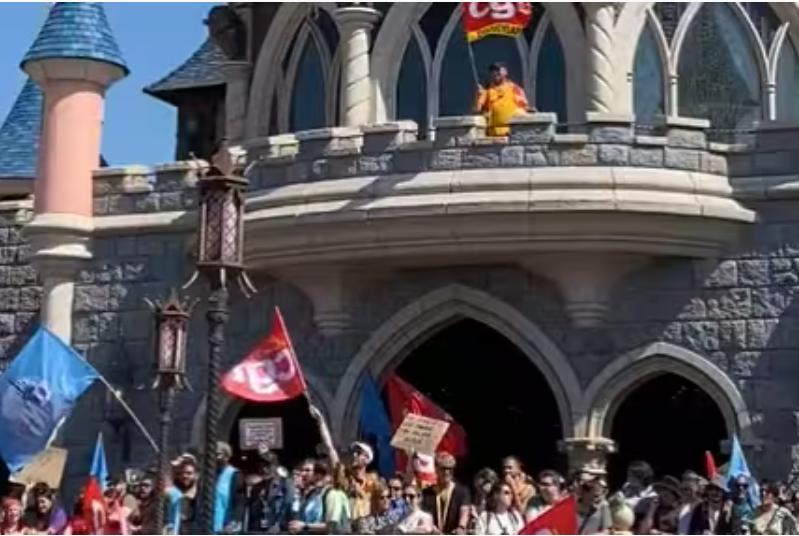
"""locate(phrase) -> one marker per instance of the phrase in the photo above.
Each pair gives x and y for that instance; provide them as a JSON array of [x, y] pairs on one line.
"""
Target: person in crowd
[[448, 501], [382, 519], [501, 515], [483, 483], [362, 482], [117, 514], [742, 511], [303, 483], [142, 519], [229, 492], [771, 517], [312, 511], [182, 496], [638, 490], [338, 513], [272, 496], [500, 101], [664, 512], [12, 522], [522, 485], [593, 511], [691, 487], [550, 485], [416, 521], [395, 488], [622, 517], [712, 515], [46, 516]]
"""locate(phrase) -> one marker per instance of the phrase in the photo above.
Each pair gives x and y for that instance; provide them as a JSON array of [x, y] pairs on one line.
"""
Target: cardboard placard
[[47, 467], [254, 432], [418, 433]]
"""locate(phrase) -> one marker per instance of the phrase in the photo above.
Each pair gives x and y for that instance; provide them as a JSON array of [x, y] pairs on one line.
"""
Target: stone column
[[589, 454], [69, 151], [355, 23], [237, 79], [600, 19]]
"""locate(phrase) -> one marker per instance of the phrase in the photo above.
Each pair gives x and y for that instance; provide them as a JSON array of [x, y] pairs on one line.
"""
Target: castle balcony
[[336, 207]]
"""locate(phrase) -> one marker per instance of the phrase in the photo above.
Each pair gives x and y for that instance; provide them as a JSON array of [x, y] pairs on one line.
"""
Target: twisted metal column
[[166, 401], [217, 316]]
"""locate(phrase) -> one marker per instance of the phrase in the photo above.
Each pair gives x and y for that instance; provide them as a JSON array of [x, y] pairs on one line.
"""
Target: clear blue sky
[[154, 38]]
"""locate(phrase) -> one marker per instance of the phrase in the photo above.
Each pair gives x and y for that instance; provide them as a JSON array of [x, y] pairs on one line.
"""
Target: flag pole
[[129, 411], [472, 61]]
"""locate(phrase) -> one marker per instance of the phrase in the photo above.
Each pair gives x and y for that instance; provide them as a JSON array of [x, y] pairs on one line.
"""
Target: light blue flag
[[376, 426], [37, 391], [738, 467], [99, 465]]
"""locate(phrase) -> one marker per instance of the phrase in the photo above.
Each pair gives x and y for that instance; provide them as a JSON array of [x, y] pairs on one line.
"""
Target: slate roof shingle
[[19, 134], [202, 69], [76, 30]]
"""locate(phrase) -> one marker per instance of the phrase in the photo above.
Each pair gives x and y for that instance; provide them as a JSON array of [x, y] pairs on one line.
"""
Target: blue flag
[[739, 467], [375, 425], [99, 465], [37, 391]]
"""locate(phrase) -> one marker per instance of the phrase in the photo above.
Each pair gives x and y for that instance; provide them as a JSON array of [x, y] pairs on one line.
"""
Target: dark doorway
[[669, 422], [492, 389], [300, 433]]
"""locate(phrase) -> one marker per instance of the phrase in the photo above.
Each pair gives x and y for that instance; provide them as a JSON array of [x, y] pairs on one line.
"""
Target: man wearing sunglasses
[[362, 482], [416, 521]]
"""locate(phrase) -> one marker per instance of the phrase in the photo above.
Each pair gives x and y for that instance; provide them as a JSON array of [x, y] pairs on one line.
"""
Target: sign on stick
[[418, 433]]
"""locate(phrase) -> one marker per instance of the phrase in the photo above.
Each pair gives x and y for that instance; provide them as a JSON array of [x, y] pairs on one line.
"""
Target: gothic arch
[[396, 30], [610, 387], [320, 396], [406, 329]]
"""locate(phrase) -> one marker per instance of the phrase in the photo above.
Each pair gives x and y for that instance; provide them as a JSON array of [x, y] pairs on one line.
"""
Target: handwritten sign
[[47, 467], [255, 432], [418, 433]]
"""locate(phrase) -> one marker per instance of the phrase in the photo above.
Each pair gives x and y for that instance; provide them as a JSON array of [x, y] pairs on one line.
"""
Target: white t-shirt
[[418, 522], [509, 522], [684, 523]]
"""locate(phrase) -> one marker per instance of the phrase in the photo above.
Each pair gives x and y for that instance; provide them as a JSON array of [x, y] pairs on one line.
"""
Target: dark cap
[[496, 66]]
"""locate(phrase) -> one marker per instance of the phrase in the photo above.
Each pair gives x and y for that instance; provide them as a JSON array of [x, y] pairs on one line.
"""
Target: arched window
[[457, 86], [718, 73], [550, 76], [308, 93], [412, 87], [788, 83], [647, 79]]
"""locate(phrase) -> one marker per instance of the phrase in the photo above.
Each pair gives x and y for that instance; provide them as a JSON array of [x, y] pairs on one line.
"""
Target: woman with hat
[[362, 482]]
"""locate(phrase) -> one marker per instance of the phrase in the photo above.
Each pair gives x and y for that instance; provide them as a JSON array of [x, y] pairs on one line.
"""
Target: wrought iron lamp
[[171, 336], [220, 257]]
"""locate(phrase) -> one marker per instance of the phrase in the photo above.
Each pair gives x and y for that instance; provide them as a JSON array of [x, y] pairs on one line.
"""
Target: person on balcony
[[500, 101]]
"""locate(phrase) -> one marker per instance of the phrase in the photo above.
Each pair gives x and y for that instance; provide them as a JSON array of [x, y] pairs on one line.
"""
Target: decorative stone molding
[[452, 131], [271, 147], [328, 141], [378, 138], [600, 20], [587, 454], [533, 128], [355, 23]]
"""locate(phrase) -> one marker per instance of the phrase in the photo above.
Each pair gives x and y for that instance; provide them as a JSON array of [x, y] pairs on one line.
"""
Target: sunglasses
[[395, 488], [410, 495]]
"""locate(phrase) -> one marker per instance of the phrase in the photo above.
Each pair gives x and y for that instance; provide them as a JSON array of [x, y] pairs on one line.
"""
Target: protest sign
[[47, 467], [418, 433], [255, 432]]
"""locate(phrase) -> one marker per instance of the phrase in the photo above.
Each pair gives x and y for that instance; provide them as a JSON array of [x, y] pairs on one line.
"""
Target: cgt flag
[[37, 391], [270, 372], [495, 18]]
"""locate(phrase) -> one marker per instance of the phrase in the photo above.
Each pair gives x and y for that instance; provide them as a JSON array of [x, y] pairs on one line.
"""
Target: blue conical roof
[[19, 135], [76, 30]]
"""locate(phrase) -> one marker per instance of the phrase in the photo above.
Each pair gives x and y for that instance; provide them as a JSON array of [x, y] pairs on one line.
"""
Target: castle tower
[[74, 60]]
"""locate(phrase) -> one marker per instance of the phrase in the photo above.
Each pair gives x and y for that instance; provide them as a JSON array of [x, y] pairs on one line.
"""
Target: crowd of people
[[327, 496]]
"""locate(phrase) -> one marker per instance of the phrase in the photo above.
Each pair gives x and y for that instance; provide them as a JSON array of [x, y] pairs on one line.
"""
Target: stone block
[[717, 275], [171, 201], [30, 299], [783, 272], [378, 138], [136, 270], [646, 157], [8, 254], [615, 155], [745, 364], [136, 324], [150, 245], [21, 276], [481, 157], [580, 156], [413, 158], [610, 128], [7, 326], [759, 333], [686, 138], [91, 298], [84, 328], [511, 156], [687, 159], [701, 336], [753, 273], [732, 334], [453, 131], [23, 321], [771, 302], [376, 164], [446, 159], [340, 166], [695, 309], [119, 297], [736, 303], [713, 163], [321, 142], [533, 128], [100, 206], [535, 156], [9, 299]]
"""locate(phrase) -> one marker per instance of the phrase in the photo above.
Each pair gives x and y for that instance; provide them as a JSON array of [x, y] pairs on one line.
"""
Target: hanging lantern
[[171, 337]]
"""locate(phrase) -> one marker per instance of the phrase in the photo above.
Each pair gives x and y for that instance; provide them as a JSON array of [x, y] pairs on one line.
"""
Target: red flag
[[710, 466], [270, 372], [560, 519], [93, 506], [495, 18], [403, 398]]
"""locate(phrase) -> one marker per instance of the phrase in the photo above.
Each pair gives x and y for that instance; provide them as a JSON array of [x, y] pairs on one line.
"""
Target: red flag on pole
[[495, 18], [270, 372], [710, 466], [560, 519]]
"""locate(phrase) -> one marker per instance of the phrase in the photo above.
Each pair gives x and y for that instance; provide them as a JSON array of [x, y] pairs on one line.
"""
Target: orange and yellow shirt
[[499, 104]]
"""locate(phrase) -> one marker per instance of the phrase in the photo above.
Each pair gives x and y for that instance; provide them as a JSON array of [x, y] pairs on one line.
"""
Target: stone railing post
[[356, 22], [600, 19]]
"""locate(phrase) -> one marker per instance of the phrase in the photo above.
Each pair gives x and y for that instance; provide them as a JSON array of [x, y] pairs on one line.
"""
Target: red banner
[[561, 518], [270, 372], [495, 18]]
